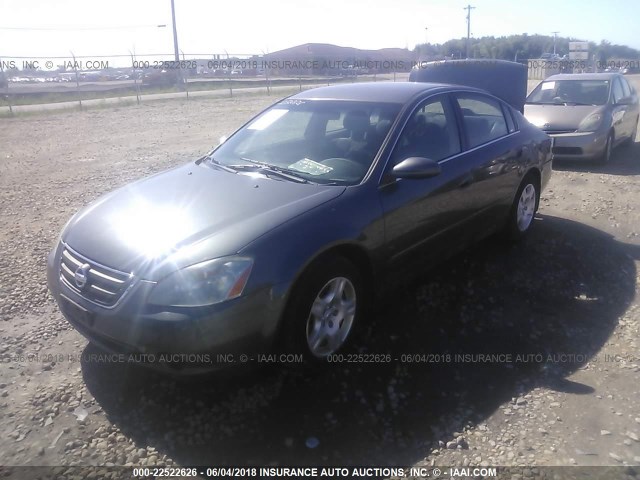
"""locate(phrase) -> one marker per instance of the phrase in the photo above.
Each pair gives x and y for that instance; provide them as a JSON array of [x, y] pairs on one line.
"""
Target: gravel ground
[[529, 354]]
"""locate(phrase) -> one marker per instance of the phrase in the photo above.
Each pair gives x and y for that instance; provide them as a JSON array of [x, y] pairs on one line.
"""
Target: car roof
[[583, 76], [385, 92]]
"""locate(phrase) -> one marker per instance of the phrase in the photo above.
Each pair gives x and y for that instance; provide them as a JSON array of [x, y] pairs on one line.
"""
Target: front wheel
[[606, 153], [523, 209], [324, 309], [632, 136]]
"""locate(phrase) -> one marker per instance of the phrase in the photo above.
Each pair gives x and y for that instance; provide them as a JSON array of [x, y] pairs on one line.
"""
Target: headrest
[[356, 121], [383, 126]]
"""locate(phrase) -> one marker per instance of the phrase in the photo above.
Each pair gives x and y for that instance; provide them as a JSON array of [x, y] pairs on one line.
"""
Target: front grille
[[104, 286], [567, 150]]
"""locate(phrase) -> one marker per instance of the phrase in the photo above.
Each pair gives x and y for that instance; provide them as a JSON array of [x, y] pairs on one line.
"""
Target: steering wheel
[[561, 98]]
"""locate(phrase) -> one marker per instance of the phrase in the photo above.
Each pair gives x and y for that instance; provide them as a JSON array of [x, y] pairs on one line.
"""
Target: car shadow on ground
[[625, 160], [559, 293]]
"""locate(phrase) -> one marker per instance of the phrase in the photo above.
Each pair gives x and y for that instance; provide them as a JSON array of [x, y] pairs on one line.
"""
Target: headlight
[[205, 283], [64, 229], [591, 123]]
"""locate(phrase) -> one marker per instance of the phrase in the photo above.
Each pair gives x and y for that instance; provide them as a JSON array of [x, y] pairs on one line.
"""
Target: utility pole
[[554, 41], [468, 8], [180, 80], [426, 42], [175, 34]]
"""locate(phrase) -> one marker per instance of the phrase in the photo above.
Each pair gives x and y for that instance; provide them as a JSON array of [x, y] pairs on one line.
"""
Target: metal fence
[[37, 83]]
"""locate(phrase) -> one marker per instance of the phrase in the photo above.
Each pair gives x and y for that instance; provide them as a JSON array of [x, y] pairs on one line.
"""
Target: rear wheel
[[524, 208], [325, 307]]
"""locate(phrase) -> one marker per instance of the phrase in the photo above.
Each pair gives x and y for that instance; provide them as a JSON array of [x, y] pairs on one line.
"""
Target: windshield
[[321, 141], [571, 92]]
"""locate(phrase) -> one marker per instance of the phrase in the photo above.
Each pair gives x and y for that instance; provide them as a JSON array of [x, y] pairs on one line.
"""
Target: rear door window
[[511, 123], [482, 118]]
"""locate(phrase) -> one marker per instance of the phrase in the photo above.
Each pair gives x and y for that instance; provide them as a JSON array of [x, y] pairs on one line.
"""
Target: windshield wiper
[[256, 166], [283, 172], [564, 104], [215, 163]]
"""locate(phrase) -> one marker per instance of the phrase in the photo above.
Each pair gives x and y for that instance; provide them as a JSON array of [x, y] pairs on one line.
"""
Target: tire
[[325, 307], [524, 207], [605, 157]]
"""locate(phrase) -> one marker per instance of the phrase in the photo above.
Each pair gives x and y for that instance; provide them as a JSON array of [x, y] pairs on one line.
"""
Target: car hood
[[186, 215], [558, 117]]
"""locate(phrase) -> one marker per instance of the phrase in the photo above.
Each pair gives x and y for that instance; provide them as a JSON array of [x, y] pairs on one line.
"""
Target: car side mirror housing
[[417, 168], [625, 101]]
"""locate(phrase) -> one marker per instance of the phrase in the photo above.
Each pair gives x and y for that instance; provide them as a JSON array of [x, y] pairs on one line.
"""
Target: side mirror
[[625, 101], [416, 167]]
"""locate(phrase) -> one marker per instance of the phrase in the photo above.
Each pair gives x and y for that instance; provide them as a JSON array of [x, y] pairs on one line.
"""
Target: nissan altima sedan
[[282, 235], [586, 114]]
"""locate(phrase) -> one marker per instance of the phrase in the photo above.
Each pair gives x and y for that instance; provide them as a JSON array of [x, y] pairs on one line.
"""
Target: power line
[[127, 55], [63, 29]]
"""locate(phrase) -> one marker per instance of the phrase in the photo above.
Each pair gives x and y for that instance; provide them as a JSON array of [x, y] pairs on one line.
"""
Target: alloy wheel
[[526, 207], [331, 317]]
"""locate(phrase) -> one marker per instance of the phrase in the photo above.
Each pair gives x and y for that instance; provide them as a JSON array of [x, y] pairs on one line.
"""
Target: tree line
[[520, 47]]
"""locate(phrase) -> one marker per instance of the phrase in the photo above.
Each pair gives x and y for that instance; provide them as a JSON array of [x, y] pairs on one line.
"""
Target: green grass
[[70, 108], [72, 96]]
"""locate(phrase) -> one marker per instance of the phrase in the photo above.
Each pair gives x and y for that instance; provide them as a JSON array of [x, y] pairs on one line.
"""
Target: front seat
[[356, 123], [423, 139]]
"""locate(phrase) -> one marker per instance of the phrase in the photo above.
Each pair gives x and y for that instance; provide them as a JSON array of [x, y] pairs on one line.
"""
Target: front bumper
[[578, 145], [181, 340]]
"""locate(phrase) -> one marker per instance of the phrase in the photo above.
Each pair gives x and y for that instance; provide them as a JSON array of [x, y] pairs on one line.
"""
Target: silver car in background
[[587, 115]]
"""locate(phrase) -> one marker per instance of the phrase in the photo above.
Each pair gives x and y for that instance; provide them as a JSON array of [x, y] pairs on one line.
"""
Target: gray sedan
[[283, 234], [586, 114]]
